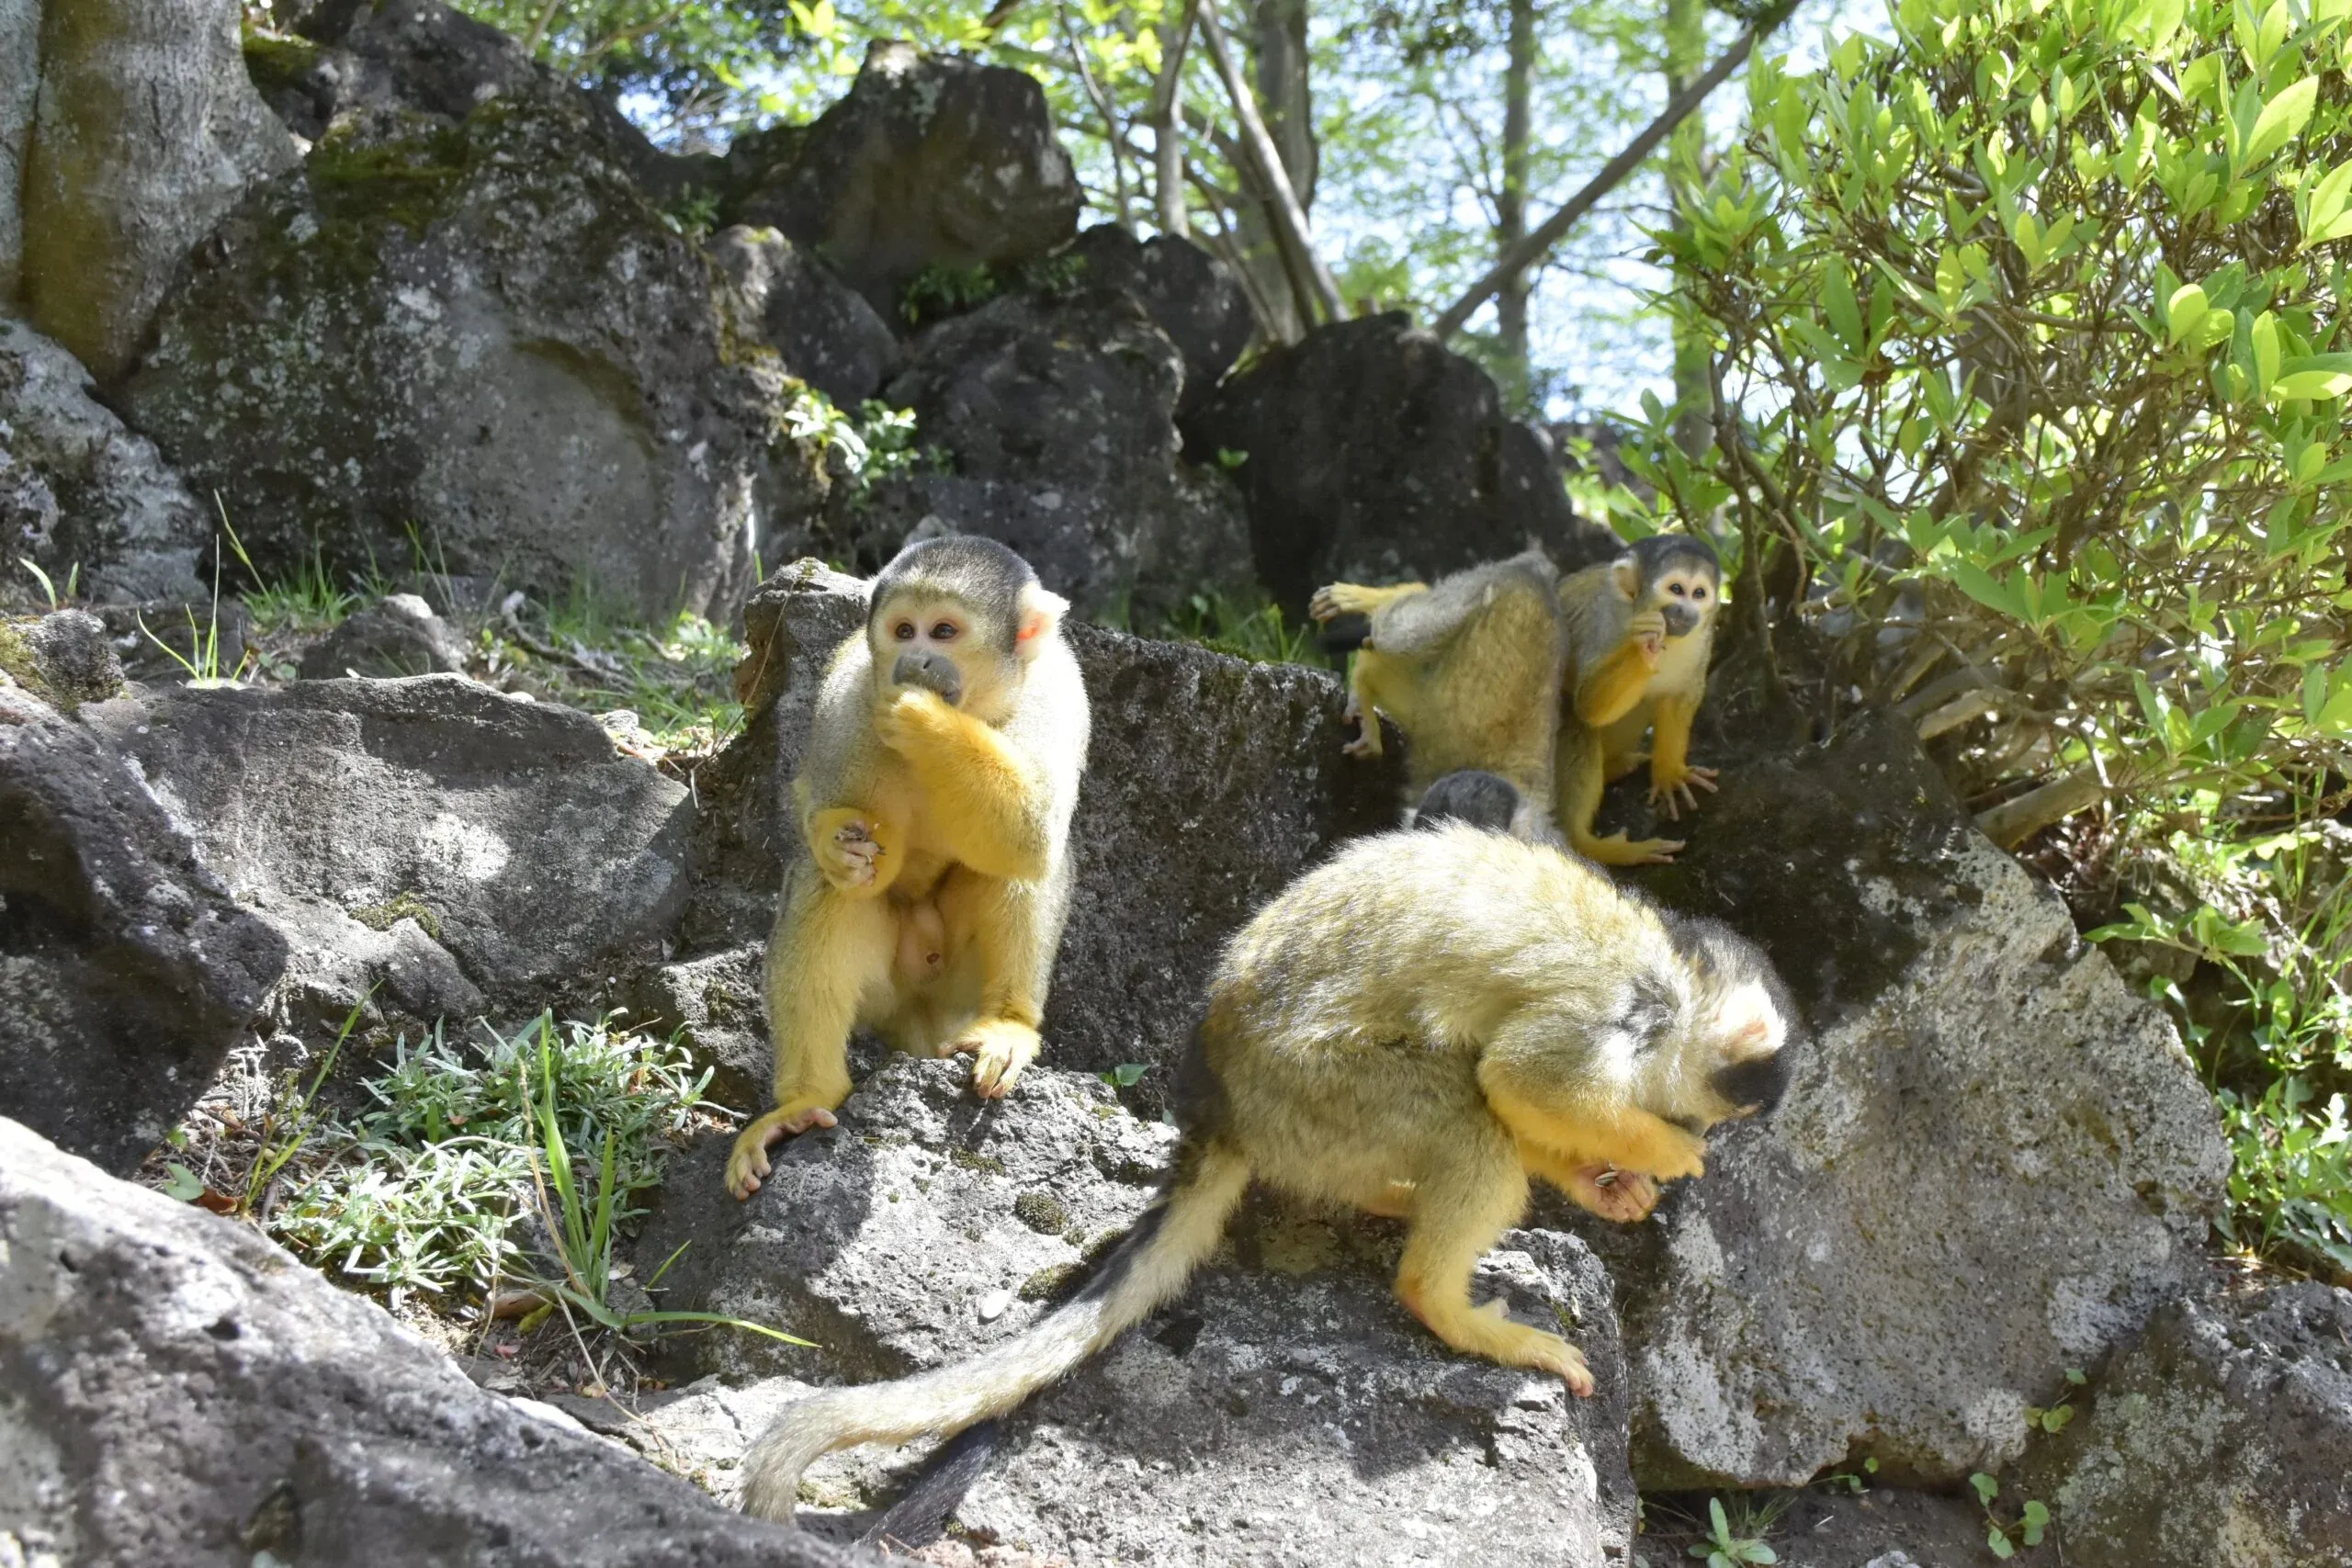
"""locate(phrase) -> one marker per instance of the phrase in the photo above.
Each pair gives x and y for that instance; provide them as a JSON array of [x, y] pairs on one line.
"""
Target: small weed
[[1725, 1546], [48, 586], [1126, 1075], [663, 689], [940, 290], [1258, 633], [2054, 1418], [2004, 1536]]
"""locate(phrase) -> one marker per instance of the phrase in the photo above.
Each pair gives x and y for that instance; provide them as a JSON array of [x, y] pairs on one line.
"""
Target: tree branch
[[1168, 127], [1311, 280]]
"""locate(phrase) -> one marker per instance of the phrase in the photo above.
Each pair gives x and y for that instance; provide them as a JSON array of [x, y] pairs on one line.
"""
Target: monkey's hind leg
[[1672, 773], [827, 953], [1336, 599], [1581, 781], [1000, 930], [1460, 1210]]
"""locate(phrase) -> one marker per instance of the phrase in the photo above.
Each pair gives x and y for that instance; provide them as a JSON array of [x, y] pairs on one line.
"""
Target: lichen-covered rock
[[398, 635], [77, 491], [63, 658], [114, 196], [1210, 783], [175, 1389], [1992, 1164], [2221, 1438], [533, 864], [827, 334], [1285, 1410], [928, 159], [356, 55], [714, 1003], [1189, 294], [477, 345], [1057, 418], [1376, 453], [126, 971]]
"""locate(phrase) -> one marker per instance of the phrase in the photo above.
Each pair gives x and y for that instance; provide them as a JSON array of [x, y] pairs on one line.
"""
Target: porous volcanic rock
[[1189, 294], [175, 1389], [826, 333], [126, 971], [1210, 783], [1285, 1410], [398, 635], [2220, 1439], [475, 348], [20, 90], [928, 159], [63, 658], [530, 863], [1374, 453]]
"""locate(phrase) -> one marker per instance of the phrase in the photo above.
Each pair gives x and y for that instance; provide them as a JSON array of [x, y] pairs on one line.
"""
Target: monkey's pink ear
[[1041, 615]]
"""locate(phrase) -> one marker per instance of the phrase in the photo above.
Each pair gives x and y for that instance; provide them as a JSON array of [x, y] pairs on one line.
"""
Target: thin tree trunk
[[1284, 89], [1168, 129], [1103, 107], [1310, 281], [1685, 51], [1510, 205]]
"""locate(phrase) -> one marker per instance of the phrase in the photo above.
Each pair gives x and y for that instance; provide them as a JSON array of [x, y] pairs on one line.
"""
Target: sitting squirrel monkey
[[1438, 1012], [1468, 668], [935, 799], [1640, 630]]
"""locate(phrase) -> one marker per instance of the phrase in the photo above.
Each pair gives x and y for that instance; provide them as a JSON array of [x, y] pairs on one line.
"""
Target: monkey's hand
[[749, 1161], [1624, 1196], [1336, 599], [1618, 850], [1673, 794], [999, 1048], [846, 850], [1646, 632], [1673, 1153]]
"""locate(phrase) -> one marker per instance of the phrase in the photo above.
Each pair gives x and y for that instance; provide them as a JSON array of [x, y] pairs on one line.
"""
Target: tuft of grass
[[662, 689], [1259, 632]]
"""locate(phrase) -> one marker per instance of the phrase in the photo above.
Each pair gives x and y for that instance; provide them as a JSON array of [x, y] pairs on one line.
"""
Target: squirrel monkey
[[1453, 1008], [1485, 800], [1640, 630], [935, 799], [1468, 669]]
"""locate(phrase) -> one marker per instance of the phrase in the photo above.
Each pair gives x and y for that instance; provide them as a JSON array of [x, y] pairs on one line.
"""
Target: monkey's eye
[[1698, 592], [944, 632], [904, 631], [1677, 590]]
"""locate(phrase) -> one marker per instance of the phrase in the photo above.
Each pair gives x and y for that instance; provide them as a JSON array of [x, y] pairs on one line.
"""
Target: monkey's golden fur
[[1409, 1027], [1468, 669], [932, 900], [1628, 676]]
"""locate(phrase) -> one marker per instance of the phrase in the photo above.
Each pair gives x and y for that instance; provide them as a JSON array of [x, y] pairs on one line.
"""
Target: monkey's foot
[[845, 849], [1488, 1331], [1618, 850], [1336, 599], [1664, 790], [1624, 1196], [747, 1164], [1000, 1049]]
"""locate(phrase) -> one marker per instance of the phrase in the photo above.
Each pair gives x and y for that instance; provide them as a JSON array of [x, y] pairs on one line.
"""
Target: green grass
[[1256, 631], [677, 679]]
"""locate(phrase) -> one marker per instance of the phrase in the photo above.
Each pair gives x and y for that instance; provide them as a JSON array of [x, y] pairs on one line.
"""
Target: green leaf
[[2313, 376], [184, 1185], [1985, 1487], [1997, 1543], [2185, 312], [2263, 338], [2282, 118], [1844, 311]]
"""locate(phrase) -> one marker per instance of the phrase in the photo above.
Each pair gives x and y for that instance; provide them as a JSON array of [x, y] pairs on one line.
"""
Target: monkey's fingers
[[1618, 850], [1626, 1197], [1000, 1050], [748, 1162]]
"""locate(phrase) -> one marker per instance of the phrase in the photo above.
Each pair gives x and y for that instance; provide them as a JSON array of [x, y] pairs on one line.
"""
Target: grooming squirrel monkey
[[1640, 630], [935, 798], [1468, 669], [1431, 1014]]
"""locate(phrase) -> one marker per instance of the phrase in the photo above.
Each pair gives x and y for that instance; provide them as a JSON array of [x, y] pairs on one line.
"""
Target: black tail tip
[[920, 1516], [1345, 634]]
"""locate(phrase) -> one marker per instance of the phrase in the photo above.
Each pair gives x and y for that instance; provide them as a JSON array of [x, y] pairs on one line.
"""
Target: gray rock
[[126, 972], [1057, 416], [20, 88], [928, 159], [63, 658], [79, 491], [475, 346], [359, 54], [2221, 1438], [1210, 783], [715, 1002], [1992, 1164], [398, 635], [828, 335], [1376, 453], [113, 201], [1189, 294], [1285, 1410], [533, 864], [248, 1408]]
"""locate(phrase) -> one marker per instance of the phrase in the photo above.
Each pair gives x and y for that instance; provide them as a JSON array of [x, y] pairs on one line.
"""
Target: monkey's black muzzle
[[1681, 620], [931, 672], [1756, 1083]]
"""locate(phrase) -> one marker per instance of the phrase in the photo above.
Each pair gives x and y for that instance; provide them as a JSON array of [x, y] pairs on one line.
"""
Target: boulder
[[63, 658], [77, 491], [474, 348], [1189, 294], [1375, 454], [928, 159], [175, 1389], [2221, 1437], [398, 635], [113, 200], [1210, 783], [1057, 416], [827, 334], [1285, 1410], [453, 843], [1992, 1164], [126, 971]]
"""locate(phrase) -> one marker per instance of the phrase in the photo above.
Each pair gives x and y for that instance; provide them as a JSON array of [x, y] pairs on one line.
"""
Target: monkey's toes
[[1626, 1197]]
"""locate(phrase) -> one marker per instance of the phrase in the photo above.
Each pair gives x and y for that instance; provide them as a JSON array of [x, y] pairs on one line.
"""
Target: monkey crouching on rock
[[935, 798], [1411, 1027]]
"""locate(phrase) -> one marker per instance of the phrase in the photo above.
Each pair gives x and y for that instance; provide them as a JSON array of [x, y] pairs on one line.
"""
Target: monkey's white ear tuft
[[1041, 615], [1627, 577]]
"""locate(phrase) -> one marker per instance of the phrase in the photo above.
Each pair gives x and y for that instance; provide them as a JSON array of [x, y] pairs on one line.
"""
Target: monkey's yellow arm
[[1586, 1124], [1609, 691], [988, 803]]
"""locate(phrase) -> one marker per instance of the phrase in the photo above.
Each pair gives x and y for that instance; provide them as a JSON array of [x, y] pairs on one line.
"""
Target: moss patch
[[403, 906], [1041, 1213]]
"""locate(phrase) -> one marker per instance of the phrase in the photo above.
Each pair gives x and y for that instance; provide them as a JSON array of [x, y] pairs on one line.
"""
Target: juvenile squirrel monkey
[[1640, 630], [1485, 800], [1434, 1011], [935, 798], [1468, 669]]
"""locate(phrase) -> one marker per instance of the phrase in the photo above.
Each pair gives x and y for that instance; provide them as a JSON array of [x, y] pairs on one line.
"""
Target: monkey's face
[[970, 652], [1685, 594], [1742, 1043]]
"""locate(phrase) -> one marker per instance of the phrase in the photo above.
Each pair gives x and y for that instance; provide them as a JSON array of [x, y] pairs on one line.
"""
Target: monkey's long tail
[[1149, 1268]]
